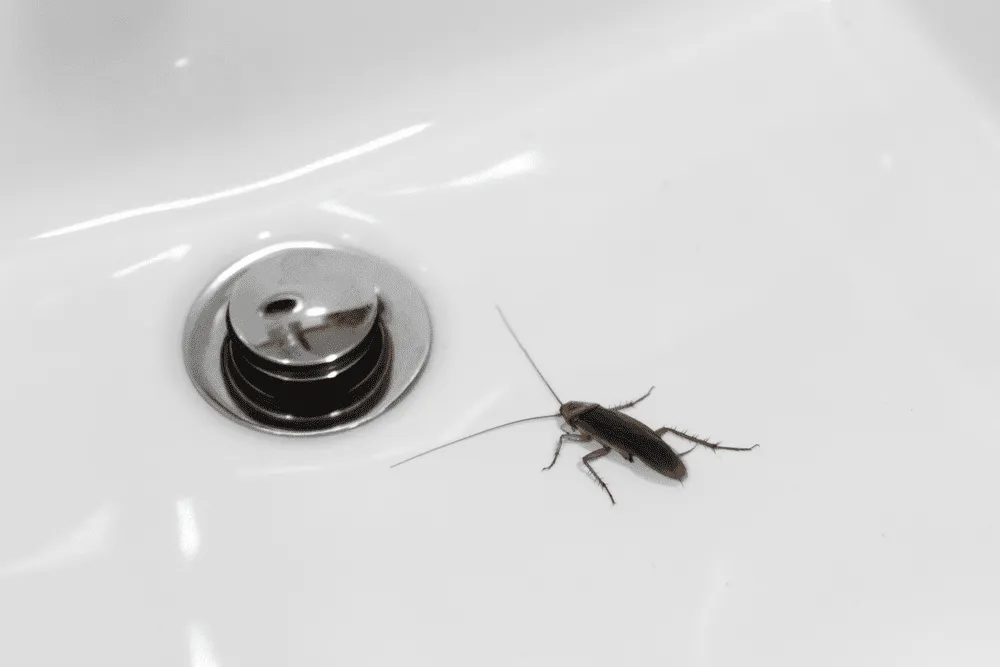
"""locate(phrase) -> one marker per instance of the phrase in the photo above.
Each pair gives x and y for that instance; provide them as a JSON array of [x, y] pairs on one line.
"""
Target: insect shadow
[[610, 428]]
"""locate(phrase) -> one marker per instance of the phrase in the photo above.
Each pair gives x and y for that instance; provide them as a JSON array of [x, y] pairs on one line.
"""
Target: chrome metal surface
[[304, 338], [302, 308]]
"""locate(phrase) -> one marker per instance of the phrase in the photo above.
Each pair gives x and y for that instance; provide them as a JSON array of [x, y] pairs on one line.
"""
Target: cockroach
[[610, 427]]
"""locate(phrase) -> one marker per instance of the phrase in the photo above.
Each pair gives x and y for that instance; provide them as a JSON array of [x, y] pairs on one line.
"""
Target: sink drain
[[305, 338]]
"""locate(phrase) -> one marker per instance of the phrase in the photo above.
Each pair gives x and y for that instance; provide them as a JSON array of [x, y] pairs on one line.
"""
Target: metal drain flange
[[304, 338]]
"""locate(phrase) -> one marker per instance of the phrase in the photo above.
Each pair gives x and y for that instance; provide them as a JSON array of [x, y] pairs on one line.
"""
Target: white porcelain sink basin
[[780, 212]]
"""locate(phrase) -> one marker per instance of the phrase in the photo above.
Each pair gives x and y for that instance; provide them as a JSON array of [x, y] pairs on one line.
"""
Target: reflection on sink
[[189, 202], [88, 539]]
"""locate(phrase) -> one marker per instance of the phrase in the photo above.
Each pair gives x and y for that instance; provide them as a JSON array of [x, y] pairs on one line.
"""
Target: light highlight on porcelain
[[176, 253], [337, 158]]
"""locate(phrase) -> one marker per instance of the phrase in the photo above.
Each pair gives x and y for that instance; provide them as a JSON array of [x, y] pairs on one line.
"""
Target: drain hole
[[279, 307], [313, 398], [302, 338]]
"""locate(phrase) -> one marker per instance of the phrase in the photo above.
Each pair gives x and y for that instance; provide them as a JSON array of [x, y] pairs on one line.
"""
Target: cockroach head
[[570, 409]]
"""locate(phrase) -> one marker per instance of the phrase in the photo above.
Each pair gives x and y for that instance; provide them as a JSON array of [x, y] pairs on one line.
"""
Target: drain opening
[[304, 339], [280, 306], [313, 397]]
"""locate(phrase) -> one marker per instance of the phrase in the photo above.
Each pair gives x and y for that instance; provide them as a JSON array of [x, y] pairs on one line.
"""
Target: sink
[[779, 212]]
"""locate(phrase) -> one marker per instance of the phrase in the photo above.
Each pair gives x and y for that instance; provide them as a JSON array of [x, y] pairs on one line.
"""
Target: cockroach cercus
[[611, 428]]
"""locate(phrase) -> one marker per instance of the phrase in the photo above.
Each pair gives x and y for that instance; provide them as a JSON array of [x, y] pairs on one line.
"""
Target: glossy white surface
[[780, 212]]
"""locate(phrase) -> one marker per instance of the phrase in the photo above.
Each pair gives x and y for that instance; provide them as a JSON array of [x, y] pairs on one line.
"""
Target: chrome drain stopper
[[304, 347], [306, 338]]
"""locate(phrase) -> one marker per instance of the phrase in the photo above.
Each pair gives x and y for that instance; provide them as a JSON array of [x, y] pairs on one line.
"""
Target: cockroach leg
[[699, 441], [593, 456], [685, 453], [626, 406], [574, 437]]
